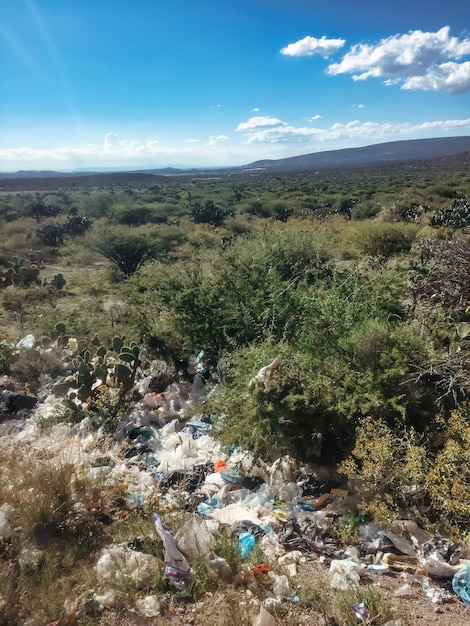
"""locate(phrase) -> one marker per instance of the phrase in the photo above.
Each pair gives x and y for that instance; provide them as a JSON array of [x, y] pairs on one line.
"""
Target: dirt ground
[[413, 609]]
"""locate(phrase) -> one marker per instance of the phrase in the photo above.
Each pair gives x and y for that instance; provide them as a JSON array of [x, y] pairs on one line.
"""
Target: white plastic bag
[[345, 574], [194, 538], [264, 618], [176, 565]]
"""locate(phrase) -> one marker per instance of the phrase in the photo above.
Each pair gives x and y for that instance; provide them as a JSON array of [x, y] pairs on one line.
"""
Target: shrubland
[[357, 282]]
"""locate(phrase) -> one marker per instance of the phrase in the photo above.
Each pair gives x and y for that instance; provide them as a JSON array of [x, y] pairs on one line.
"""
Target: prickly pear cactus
[[21, 273], [58, 282]]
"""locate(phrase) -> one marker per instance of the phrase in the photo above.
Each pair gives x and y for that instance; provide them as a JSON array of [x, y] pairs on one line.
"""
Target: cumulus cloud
[[314, 117], [308, 46], [282, 132], [417, 60], [450, 77], [258, 121]]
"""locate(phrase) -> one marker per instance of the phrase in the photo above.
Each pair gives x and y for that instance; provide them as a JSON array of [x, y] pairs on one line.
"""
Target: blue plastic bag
[[247, 542], [461, 584]]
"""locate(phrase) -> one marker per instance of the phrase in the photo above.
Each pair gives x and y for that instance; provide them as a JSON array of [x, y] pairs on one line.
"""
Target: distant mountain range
[[381, 153], [377, 154]]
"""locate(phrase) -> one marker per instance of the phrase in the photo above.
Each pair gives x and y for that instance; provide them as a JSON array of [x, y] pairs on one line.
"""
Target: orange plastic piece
[[220, 465]]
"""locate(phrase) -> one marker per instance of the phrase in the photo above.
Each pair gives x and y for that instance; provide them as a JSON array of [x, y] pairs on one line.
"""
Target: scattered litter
[[165, 456]]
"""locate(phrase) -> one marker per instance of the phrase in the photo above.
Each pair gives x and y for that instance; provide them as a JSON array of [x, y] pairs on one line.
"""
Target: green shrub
[[6, 352], [125, 248], [385, 240], [448, 478], [248, 291], [388, 469]]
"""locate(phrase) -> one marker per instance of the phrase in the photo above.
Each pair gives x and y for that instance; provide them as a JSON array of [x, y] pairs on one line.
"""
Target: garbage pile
[[165, 456]]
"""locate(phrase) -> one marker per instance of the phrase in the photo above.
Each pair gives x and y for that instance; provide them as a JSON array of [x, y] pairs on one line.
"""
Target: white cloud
[[360, 106], [216, 139], [353, 130], [255, 110], [277, 137], [418, 60], [191, 141], [313, 118], [259, 121], [108, 139], [309, 46], [450, 77]]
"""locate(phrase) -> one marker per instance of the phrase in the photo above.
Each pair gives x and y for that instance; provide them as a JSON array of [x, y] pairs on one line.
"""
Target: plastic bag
[[281, 587], [461, 583], [176, 565], [264, 618], [194, 538], [440, 557], [344, 574], [246, 542], [220, 568], [6, 512], [118, 564]]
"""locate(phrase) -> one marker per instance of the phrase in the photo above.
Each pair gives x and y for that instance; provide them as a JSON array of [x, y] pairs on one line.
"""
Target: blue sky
[[154, 83]]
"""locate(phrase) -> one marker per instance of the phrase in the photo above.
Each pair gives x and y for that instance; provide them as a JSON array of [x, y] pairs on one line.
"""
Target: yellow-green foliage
[[389, 469], [395, 470], [448, 480]]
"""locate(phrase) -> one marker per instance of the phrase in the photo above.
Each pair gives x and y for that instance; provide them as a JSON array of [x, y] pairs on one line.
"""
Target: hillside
[[422, 151], [390, 152]]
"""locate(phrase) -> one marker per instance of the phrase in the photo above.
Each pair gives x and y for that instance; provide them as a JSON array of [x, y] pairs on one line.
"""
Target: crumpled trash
[[281, 587], [265, 375], [437, 596], [246, 542], [6, 513], [27, 343], [245, 526], [219, 567], [194, 538], [440, 558], [149, 606], [344, 574], [14, 402], [235, 513], [303, 532], [118, 564], [361, 610], [107, 600], [264, 618], [461, 583], [176, 566]]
